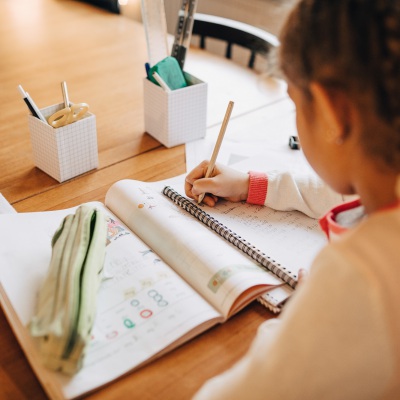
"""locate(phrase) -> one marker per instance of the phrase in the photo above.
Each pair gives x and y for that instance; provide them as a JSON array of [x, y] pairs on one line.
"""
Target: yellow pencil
[[221, 134]]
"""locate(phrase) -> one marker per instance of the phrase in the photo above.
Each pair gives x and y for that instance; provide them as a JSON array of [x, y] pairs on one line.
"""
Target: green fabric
[[66, 304], [170, 72]]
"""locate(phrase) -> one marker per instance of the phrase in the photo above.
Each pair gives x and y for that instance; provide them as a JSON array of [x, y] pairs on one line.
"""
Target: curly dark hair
[[352, 45]]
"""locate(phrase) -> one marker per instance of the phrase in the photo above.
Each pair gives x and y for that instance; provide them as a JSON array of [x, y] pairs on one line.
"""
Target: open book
[[167, 276]]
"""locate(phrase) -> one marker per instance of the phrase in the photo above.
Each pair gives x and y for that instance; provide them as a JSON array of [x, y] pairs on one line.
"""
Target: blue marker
[[147, 66]]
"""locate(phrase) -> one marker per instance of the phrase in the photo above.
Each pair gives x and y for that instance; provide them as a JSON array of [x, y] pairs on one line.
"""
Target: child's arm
[[306, 193], [278, 190]]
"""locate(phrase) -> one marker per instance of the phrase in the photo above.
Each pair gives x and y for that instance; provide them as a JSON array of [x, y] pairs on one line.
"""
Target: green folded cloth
[[66, 304], [170, 71]]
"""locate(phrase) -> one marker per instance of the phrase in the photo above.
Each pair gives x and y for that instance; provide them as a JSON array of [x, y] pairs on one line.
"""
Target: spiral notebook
[[265, 261], [273, 299]]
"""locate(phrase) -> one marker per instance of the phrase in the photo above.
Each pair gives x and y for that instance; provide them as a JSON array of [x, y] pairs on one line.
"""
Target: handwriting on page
[[287, 236]]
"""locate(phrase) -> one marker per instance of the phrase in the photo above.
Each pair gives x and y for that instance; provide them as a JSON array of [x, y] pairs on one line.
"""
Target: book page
[[5, 206], [143, 307], [218, 271]]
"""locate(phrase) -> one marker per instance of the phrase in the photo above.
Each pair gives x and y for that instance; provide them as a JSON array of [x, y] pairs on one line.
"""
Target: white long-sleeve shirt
[[337, 337], [305, 193]]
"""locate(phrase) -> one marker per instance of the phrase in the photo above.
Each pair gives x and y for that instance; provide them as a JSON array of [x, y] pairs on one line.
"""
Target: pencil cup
[[178, 116], [64, 152]]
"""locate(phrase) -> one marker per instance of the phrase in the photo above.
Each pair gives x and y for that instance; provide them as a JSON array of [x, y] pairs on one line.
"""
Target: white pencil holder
[[64, 152], [178, 116]]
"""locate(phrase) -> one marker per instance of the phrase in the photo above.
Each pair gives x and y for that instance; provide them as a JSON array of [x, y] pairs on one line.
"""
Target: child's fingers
[[210, 200], [197, 172], [303, 275]]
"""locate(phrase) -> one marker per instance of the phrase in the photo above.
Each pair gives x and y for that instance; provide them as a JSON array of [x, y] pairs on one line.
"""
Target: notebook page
[[5, 206]]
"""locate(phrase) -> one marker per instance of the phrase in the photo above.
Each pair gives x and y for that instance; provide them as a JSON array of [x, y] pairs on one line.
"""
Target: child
[[339, 336]]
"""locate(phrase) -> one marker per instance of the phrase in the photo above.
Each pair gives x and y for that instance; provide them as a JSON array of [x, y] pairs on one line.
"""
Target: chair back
[[233, 32]]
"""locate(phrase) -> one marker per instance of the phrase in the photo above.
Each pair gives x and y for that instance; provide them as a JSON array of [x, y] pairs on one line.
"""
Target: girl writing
[[339, 336]]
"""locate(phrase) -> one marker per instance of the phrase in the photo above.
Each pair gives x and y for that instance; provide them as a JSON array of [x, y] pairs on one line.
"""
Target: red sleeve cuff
[[258, 187]]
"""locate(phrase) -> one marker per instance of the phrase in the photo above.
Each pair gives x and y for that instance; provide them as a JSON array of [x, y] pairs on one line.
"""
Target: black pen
[[31, 104]]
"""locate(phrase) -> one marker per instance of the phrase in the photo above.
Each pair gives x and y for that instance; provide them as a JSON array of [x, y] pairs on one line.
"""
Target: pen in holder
[[177, 116], [66, 151]]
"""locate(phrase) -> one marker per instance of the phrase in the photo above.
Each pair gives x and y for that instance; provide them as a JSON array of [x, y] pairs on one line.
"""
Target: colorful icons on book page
[[130, 314], [115, 230], [129, 323], [220, 277], [144, 205], [148, 201]]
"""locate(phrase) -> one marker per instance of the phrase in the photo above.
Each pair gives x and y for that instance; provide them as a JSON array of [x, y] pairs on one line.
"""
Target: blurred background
[[265, 14]]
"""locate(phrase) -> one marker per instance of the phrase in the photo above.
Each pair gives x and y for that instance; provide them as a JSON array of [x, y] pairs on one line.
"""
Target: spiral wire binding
[[243, 245]]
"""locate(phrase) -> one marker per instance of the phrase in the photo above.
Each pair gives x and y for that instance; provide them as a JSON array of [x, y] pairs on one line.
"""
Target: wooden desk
[[101, 56]]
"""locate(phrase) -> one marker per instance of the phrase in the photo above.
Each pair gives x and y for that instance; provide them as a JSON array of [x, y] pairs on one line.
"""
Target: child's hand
[[303, 275], [225, 183]]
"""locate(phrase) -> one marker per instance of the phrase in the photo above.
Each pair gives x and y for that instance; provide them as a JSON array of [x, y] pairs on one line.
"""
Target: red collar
[[328, 222]]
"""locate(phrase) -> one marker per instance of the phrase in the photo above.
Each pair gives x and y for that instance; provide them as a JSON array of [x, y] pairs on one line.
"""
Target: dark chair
[[109, 5], [233, 32]]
